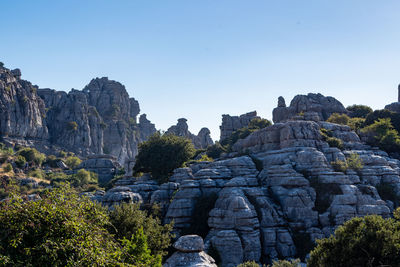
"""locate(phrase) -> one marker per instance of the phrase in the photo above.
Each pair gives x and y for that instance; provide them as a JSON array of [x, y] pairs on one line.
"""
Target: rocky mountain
[[100, 119], [278, 190], [233, 123], [200, 141]]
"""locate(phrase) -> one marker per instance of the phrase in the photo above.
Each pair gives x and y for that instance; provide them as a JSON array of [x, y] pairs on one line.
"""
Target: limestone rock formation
[[314, 107], [22, 112], [200, 141], [233, 123], [190, 253], [105, 166]]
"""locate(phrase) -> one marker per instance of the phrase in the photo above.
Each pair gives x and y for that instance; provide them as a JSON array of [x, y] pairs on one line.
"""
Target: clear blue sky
[[201, 59]]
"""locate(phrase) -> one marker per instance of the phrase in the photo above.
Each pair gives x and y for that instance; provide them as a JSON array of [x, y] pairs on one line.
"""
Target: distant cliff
[[100, 119]]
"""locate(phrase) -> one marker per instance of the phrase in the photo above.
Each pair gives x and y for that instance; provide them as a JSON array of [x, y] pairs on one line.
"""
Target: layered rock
[[233, 123], [190, 253], [314, 107], [200, 141], [22, 112]]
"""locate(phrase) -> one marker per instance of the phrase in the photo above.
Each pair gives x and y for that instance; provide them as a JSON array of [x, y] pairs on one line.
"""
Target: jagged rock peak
[[22, 112], [200, 141], [314, 107], [233, 123]]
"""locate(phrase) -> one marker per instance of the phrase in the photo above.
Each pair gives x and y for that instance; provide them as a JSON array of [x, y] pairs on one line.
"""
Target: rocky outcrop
[[105, 166], [200, 141], [315, 107], [22, 112], [100, 119], [190, 253], [233, 123]]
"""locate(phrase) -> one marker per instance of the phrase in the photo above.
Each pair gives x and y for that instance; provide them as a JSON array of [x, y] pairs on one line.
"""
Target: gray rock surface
[[233, 123], [190, 253], [314, 107], [200, 141]]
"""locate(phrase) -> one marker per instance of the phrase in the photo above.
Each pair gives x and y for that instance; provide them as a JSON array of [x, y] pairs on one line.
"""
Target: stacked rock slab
[[314, 107], [233, 123], [200, 141], [190, 253]]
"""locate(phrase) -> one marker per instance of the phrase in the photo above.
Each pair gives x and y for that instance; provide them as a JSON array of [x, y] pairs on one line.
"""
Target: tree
[[367, 241], [359, 111], [339, 119], [161, 154], [127, 219], [72, 162], [61, 229]]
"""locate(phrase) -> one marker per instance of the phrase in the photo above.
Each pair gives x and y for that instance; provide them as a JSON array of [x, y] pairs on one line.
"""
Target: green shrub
[[20, 161], [8, 167], [286, 263], [38, 173], [161, 154], [339, 119], [52, 160], [73, 162], [249, 264], [215, 150], [361, 241], [383, 135], [359, 111], [126, 219], [258, 123], [84, 177], [72, 126], [354, 162], [356, 124], [339, 165], [32, 155], [62, 154], [334, 142], [61, 229]]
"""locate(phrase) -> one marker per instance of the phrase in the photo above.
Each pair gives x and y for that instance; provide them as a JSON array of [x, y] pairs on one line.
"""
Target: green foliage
[[286, 263], [38, 173], [339, 165], [215, 150], [72, 126], [61, 229], [249, 264], [85, 177], [384, 114], [366, 241], [135, 250], [20, 161], [73, 162], [359, 111], [62, 154], [51, 160], [354, 162], [383, 135], [32, 156], [127, 219], [81, 181], [161, 154], [334, 142], [339, 119], [199, 218], [258, 123], [8, 167], [356, 124]]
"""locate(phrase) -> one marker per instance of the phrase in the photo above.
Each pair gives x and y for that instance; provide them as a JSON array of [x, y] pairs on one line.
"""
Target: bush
[[382, 134], [366, 241], [339, 165], [249, 264], [354, 162], [51, 160], [8, 167], [32, 155], [38, 173], [258, 123], [72, 126], [20, 161], [61, 229], [359, 111], [384, 114], [127, 219], [215, 150], [84, 177], [161, 154], [339, 119], [334, 142], [73, 162], [356, 124], [286, 263]]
